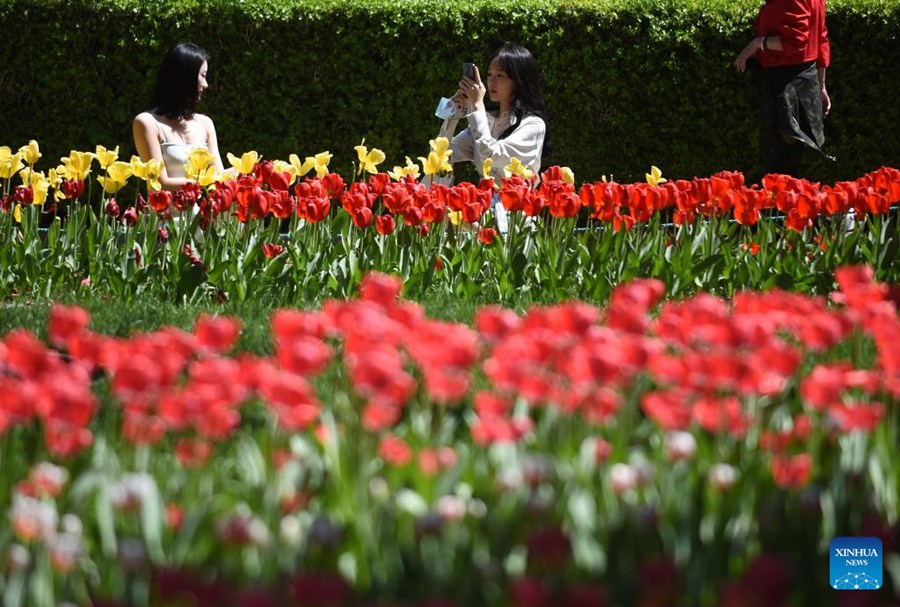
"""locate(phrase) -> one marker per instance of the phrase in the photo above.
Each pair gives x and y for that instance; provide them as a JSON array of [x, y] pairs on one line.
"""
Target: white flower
[[451, 507], [131, 491], [32, 519], [290, 531], [379, 490], [49, 478], [622, 477], [72, 524], [65, 551], [680, 445], [18, 558], [722, 476], [477, 508]]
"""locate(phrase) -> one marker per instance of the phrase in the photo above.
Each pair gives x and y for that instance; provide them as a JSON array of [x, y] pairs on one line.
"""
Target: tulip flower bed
[[268, 231], [649, 452]]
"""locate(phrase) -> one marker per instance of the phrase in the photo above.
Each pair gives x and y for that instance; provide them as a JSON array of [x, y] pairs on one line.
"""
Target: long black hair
[[175, 93], [519, 64]]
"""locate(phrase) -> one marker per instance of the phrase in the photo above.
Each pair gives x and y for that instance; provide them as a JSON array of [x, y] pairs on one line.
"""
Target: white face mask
[[447, 109]]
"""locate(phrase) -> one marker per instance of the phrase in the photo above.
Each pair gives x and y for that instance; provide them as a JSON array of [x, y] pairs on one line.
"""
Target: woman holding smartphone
[[171, 127], [515, 129]]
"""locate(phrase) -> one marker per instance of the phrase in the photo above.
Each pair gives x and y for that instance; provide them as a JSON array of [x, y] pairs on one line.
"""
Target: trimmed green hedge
[[629, 83]]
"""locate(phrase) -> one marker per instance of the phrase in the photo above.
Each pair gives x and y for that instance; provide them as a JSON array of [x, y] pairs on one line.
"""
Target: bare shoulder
[[146, 120], [205, 120]]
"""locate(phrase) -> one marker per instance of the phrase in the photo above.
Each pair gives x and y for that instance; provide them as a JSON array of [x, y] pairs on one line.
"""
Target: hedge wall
[[629, 83]]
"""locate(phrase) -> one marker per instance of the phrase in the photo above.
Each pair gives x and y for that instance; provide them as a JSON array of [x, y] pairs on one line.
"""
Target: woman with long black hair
[[516, 129], [171, 127]]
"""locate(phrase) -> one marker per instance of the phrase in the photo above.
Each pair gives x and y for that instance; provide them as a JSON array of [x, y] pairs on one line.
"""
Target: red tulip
[[385, 224], [270, 250]]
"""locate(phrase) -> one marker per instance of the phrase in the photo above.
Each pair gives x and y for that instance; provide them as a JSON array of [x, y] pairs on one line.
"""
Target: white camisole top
[[175, 154]]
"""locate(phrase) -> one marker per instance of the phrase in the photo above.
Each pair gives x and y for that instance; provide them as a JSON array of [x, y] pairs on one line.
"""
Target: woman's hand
[[473, 90], [751, 49], [826, 102], [461, 101]]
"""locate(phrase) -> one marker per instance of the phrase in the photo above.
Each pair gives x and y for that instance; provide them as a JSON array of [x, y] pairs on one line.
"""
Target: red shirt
[[801, 26]]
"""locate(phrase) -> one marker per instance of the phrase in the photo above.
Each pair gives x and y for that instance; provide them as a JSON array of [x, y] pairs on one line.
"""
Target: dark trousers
[[783, 121]]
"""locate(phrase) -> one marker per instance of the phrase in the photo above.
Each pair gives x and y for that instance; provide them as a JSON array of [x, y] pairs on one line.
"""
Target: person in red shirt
[[791, 51]]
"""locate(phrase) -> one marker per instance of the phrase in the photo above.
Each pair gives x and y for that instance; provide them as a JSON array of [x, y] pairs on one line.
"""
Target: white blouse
[[479, 142]]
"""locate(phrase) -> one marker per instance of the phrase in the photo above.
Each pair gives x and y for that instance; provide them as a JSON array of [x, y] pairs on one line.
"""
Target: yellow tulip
[[40, 187], [17, 213], [567, 175], [438, 160], [280, 166], [654, 177], [515, 167], [9, 163], [455, 217], [106, 157], [209, 176], [368, 161], [441, 145], [321, 161], [31, 153], [244, 165], [27, 175], [149, 171], [299, 169], [434, 164], [486, 167], [55, 177], [78, 165], [117, 175], [411, 169], [120, 171], [30, 176], [198, 160]]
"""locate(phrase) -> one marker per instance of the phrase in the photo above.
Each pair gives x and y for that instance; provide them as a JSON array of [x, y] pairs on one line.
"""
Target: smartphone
[[469, 70]]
